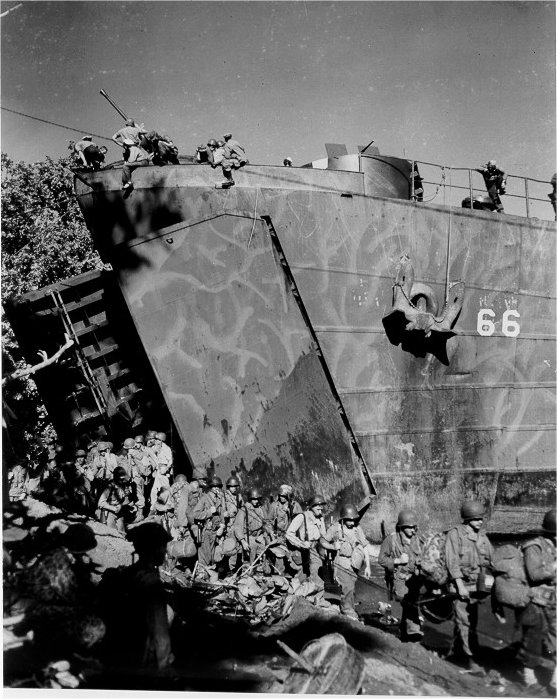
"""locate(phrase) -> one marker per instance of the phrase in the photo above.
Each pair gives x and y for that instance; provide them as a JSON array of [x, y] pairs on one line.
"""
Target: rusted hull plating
[[236, 351]]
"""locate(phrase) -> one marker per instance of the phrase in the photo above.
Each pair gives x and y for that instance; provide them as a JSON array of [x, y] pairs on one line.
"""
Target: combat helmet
[[316, 500], [232, 480], [406, 518], [471, 509], [129, 443], [215, 482], [348, 511], [548, 524], [254, 494]]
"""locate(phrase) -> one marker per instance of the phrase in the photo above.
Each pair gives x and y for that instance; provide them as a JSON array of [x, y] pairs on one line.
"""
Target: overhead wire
[[53, 123]]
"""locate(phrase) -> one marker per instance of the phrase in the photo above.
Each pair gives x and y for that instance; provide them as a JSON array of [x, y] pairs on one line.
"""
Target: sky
[[453, 83]]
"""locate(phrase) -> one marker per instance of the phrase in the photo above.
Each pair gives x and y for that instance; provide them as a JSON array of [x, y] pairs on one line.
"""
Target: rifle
[[116, 107]]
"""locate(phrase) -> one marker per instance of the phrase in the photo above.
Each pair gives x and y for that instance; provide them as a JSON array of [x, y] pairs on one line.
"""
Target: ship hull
[[261, 309]]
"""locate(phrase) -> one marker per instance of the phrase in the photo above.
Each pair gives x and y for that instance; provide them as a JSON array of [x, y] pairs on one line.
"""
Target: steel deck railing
[[446, 183]]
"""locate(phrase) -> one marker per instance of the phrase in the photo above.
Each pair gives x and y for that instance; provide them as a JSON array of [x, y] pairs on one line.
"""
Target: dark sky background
[[446, 82]]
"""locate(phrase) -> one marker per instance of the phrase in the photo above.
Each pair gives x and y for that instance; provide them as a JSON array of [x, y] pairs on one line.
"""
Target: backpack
[[511, 584], [432, 563]]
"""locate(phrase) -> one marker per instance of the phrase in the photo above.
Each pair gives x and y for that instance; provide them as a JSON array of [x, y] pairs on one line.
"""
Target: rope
[[53, 123], [254, 216]]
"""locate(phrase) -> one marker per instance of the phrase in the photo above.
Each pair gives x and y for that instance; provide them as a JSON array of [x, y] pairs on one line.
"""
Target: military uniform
[[467, 554], [350, 555], [306, 528], [280, 515], [402, 580], [537, 620], [209, 516], [117, 505], [251, 529]]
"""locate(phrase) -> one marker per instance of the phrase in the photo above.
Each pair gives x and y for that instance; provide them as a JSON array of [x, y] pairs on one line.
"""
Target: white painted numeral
[[485, 327], [510, 328]]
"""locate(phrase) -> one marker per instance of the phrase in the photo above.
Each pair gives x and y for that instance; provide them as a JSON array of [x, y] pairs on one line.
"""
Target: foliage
[[44, 240]]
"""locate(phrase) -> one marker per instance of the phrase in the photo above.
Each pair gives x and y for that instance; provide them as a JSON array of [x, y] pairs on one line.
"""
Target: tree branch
[[46, 361]]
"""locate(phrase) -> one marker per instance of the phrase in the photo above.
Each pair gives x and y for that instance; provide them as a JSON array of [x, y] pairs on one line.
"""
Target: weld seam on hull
[[464, 333], [449, 386], [457, 472], [425, 280], [449, 430]]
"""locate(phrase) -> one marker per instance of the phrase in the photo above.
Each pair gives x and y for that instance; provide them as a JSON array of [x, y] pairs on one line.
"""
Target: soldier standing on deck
[[468, 553], [537, 619], [303, 535], [399, 556], [495, 183]]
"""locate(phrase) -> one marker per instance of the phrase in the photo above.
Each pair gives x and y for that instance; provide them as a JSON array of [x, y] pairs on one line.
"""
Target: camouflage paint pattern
[[430, 431]]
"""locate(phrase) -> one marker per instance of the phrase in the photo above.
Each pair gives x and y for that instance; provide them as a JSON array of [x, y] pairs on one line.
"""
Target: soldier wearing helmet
[[103, 466], [204, 153], [138, 467], [303, 536], [537, 619], [251, 526], [117, 503], [209, 516], [234, 151], [281, 512], [400, 557], [468, 553], [226, 157], [233, 501], [495, 182], [347, 542], [163, 471]]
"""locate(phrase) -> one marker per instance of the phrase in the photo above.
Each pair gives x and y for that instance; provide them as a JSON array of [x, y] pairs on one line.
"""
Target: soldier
[[303, 534], [468, 553], [176, 490], [230, 548], [209, 516], [399, 556], [81, 487], [138, 469], [251, 527], [117, 502], [281, 512], [163, 472], [189, 498], [234, 151], [104, 464], [495, 183], [220, 158], [347, 539], [537, 619], [89, 153], [140, 628]]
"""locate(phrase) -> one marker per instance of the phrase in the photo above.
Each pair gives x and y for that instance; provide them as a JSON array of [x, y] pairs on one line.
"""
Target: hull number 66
[[486, 327]]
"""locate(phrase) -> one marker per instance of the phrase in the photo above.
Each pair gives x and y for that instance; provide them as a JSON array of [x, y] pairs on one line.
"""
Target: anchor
[[413, 319]]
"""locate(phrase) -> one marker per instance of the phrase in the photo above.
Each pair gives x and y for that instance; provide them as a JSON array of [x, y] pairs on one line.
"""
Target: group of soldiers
[[214, 527], [469, 560], [226, 152], [141, 148]]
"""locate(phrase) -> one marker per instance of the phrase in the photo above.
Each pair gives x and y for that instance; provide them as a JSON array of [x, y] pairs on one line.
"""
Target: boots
[[528, 677]]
